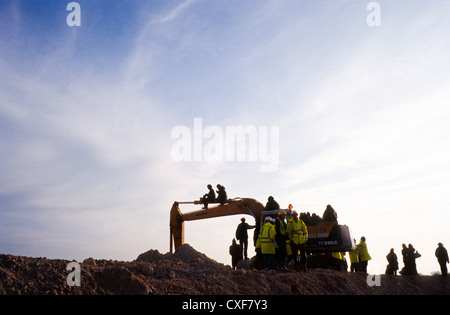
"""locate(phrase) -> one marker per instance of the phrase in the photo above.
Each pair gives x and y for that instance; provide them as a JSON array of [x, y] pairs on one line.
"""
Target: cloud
[[85, 161], [85, 126], [174, 13]]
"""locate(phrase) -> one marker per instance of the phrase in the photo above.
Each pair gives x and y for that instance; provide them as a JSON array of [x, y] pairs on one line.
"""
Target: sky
[[88, 114]]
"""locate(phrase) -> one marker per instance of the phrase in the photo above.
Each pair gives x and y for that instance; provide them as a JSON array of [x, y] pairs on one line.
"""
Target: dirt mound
[[189, 255], [189, 272]]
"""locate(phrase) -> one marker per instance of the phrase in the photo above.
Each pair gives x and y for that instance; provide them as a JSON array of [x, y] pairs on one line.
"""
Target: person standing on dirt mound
[[442, 257], [409, 259], [280, 238], [236, 253], [364, 256], [242, 236], [392, 266], [298, 234], [268, 234], [354, 259]]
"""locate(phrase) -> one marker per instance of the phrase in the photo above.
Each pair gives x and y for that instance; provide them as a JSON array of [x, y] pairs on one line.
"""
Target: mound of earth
[[188, 272]]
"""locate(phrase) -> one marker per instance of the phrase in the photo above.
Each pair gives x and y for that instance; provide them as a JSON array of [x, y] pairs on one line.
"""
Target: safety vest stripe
[[300, 232], [269, 240]]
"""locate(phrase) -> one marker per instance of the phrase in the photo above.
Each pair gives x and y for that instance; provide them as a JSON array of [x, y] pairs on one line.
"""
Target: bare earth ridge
[[188, 272]]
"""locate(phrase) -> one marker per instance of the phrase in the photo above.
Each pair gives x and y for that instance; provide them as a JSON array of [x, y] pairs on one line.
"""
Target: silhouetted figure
[[392, 266], [221, 194], [314, 219], [409, 259], [242, 236], [209, 197], [442, 257], [406, 270], [271, 204], [281, 238], [329, 214], [305, 217], [236, 253]]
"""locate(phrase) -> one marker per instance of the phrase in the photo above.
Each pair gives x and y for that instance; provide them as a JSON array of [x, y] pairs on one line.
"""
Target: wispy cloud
[[174, 13], [85, 150]]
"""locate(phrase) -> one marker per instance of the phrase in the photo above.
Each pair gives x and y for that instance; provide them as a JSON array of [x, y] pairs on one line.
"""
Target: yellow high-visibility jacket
[[338, 255], [297, 231], [363, 252], [288, 248], [354, 256], [268, 238], [258, 241]]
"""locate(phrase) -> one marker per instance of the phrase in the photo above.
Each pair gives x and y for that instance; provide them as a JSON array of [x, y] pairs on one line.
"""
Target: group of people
[[210, 197], [280, 241], [409, 260], [359, 258], [290, 238], [409, 254]]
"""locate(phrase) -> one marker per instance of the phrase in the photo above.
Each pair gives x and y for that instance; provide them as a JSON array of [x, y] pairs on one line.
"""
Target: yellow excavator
[[326, 238]]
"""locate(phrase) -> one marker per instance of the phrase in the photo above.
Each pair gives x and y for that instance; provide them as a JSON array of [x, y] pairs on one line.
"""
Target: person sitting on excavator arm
[[209, 197]]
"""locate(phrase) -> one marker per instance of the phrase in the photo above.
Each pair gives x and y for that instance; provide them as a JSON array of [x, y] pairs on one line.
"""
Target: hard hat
[[294, 212], [281, 212], [268, 218]]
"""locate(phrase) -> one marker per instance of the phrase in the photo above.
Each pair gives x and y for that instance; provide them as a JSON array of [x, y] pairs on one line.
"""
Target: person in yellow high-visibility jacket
[[354, 259], [267, 237], [298, 234], [363, 254], [280, 239]]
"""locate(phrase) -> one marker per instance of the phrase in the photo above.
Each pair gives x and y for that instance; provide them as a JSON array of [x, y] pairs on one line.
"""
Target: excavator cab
[[323, 237], [327, 240]]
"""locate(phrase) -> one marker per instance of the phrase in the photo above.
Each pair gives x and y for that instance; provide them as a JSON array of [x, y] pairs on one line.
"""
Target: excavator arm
[[236, 206]]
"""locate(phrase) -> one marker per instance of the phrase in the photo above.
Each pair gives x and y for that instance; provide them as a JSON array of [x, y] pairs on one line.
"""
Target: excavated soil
[[188, 272]]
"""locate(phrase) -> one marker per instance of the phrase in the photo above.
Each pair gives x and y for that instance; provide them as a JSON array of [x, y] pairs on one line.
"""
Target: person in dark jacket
[[236, 254], [281, 238], [392, 266], [329, 214], [409, 259], [242, 236], [271, 204], [442, 257], [209, 197], [221, 194]]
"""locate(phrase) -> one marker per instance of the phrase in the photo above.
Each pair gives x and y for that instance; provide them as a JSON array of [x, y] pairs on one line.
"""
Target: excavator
[[326, 239]]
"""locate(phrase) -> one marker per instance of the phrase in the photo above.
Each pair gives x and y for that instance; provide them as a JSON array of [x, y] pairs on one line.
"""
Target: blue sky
[[86, 115]]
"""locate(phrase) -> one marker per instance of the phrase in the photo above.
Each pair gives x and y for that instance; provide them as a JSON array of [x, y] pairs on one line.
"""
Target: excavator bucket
[[176, 227]]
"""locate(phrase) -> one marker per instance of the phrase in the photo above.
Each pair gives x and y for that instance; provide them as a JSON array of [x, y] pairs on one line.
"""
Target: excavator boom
[[235, 206]]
